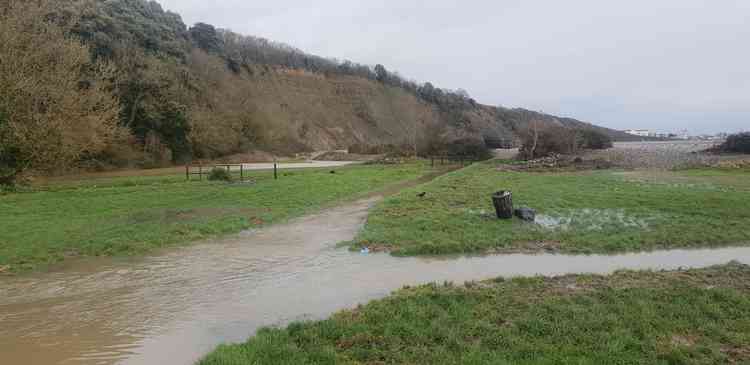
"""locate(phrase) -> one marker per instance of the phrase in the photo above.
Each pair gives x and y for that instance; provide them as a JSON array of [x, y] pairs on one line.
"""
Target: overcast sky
[[665, 65]]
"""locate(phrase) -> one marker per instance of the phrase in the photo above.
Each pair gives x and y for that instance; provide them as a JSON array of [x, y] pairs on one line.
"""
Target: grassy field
[[581, 212], [687, 317], [132, 215]]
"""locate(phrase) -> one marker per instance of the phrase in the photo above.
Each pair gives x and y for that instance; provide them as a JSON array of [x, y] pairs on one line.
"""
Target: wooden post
[[275, 173], [503, 202], [242, 174], [187, 172], [200, 172]]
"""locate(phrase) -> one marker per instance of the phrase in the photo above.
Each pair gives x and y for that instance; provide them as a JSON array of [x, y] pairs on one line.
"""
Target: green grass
[[689, 317], [123, 216], [599, 212]]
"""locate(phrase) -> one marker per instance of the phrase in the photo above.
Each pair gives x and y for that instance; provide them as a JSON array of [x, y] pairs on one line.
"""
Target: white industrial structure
[[641, 132]]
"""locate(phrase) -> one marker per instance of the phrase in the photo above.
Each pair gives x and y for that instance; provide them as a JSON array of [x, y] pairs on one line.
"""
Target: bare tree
[[533, 135], [414, 130], [572, 137]]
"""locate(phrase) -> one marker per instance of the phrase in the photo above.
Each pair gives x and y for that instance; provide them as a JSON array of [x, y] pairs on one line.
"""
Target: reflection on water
[[175, 307]]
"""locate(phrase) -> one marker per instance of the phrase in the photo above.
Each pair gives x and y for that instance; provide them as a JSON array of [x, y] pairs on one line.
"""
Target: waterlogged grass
[[692, 317], [580, 212], [133, 215]]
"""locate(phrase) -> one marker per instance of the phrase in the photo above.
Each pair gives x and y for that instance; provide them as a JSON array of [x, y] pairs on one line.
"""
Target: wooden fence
[[200, 170]]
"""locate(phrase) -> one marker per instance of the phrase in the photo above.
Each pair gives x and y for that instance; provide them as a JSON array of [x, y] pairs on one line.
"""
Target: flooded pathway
[[177, 306]]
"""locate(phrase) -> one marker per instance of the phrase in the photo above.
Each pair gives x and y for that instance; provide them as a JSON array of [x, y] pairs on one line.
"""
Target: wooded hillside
[[114, 83]]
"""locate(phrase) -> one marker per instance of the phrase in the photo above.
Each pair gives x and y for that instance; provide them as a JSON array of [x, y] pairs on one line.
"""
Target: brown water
[[174, 307]]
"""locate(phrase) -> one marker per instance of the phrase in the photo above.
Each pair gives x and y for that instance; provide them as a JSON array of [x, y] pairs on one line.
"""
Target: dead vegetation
[[670, 155], [558, 163], [660, 155], [540, 139]]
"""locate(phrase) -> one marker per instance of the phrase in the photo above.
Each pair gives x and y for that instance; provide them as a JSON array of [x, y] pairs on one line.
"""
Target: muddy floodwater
[[174, 307]]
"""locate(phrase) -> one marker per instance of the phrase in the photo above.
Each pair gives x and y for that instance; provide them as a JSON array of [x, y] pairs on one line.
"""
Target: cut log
[[503, 202]]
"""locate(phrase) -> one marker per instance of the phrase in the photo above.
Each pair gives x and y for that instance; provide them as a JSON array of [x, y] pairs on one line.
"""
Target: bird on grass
[[422, 194]]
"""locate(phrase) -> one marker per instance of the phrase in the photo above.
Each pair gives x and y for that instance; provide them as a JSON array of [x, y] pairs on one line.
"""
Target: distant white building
[[641, 132]]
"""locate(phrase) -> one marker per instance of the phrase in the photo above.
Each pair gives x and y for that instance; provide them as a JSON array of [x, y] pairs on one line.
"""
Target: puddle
[[593, 220], [483, 213], [674, 180], [175, 307], [550, 222]]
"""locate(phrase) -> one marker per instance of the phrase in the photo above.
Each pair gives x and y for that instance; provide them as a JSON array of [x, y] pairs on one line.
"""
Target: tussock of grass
[[603, 210], [132, 215], [689, 317]]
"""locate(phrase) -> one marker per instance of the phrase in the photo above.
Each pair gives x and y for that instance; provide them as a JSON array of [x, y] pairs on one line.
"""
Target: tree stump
[[503, 202]]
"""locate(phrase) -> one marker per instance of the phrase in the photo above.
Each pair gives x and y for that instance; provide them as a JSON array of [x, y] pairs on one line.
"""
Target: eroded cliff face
[[338, 111], [319, 112], [322, 112]]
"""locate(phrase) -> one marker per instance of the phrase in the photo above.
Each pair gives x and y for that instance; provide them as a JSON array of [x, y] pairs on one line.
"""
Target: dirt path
[[175, 307]]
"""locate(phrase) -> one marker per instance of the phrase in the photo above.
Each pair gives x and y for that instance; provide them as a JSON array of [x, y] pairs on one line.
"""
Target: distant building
[[641, 132]]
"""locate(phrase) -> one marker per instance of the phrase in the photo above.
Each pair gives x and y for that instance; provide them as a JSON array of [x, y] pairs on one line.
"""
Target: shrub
[[737, 143], [595, 140], [220, 174], [541, 140], [469, 148], [56, 104]]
